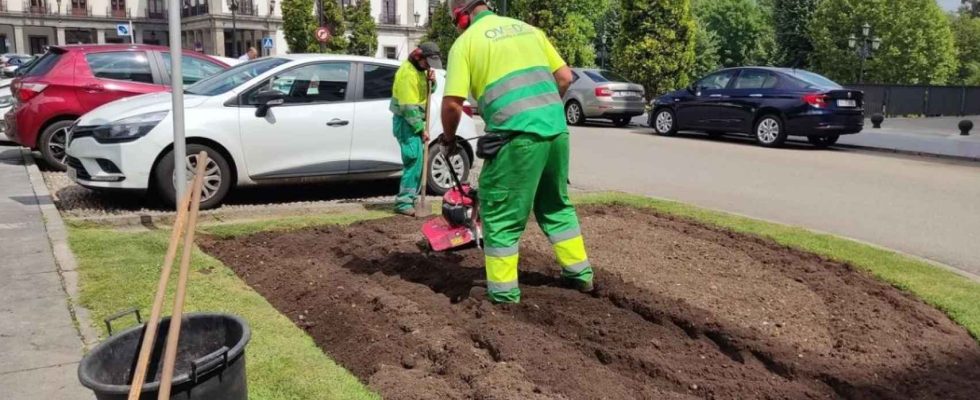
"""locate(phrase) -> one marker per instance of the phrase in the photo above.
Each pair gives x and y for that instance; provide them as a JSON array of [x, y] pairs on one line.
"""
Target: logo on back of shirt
[[507, 31]]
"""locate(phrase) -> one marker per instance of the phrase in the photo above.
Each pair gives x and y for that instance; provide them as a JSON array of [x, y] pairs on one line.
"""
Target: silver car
[[602, 94]]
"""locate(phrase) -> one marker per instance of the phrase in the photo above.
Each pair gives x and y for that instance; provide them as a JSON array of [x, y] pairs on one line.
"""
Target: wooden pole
[[150, 331], [423, 209], [173, 335]]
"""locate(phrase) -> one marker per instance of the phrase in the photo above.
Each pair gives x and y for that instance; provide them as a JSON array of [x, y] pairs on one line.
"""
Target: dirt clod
[[678, 303]]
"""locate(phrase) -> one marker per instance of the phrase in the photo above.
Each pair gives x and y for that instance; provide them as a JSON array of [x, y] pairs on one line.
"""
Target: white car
[[292, 118], [6, 102]]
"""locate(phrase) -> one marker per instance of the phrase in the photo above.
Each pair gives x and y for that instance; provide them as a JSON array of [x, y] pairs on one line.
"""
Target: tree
[[916, 41], [364, 31], [655, 46], [569, 24], [790, 20], [971, 6], [706, 52], [745, 36], [440, 29], [607, 29], [298, 25], [966, 32], [333, 19]]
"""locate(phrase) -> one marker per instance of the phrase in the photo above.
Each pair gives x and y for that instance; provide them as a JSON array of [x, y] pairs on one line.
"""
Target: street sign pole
[[132, 33], [177, 96]]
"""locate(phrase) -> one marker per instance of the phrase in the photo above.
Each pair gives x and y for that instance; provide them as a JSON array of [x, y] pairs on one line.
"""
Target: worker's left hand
[[447, 144], [431, 75], [425, 137]]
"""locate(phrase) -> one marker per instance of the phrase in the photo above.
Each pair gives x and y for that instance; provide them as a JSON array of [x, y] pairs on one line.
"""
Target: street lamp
[[418, 19], [865, 46], [233, 6]]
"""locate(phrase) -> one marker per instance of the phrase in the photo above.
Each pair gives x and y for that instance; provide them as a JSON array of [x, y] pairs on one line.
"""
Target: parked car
[[603, 94], [69, 81], [295, 118], [7, 56], [13, 63], [767, 103], [6, 102]]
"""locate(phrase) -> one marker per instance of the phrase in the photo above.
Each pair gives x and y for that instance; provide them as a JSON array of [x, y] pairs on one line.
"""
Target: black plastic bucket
[[210, 360]]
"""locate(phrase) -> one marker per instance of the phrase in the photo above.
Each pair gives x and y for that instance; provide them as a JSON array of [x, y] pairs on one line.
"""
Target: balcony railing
[[197, 9], [389, 19], [37, 7], [160, 13], [117, 12], [3, 5], [80, 11], [246, 7]]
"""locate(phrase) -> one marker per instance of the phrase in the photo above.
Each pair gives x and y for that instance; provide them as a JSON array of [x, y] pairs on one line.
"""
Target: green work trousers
[[528, 174], [410, 143]]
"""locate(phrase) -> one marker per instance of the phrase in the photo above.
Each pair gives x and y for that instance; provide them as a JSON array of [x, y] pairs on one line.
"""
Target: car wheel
[[823, 141], [574, 114], [769, 131], [664, 122], [440, 181], [621, 121], [53, 144], [217, 176]]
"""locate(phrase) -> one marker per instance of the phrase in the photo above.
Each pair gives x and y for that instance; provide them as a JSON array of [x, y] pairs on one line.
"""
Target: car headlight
[[6, 101], [130, 128]]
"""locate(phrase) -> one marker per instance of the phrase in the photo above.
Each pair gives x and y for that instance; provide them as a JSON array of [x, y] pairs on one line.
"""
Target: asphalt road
[[926, 207]]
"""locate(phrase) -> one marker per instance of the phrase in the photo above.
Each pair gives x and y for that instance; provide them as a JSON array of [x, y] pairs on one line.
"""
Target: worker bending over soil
[[519, 79]]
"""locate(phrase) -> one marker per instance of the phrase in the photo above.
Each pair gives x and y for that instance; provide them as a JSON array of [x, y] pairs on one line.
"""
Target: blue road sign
[[267, 43], [122, 30]]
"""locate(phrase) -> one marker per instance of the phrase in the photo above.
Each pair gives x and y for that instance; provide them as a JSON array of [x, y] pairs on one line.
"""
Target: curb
[[54, 226], [906, 152]]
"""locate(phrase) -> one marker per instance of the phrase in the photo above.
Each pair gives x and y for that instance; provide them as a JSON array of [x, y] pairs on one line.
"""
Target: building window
[[39, 7], [38, 44], [391, 53], [79, 7], [118, 8], [155, 9], [389, 14]]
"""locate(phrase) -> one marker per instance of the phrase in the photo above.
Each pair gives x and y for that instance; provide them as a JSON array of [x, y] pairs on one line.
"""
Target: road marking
[[17, 225]]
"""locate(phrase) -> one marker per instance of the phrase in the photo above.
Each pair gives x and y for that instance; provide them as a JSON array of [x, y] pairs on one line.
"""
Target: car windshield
[[601, 76], [233, 77], [814, 80]]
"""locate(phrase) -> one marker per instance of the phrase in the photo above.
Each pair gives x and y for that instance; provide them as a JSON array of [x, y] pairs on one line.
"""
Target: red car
[[69, 81]]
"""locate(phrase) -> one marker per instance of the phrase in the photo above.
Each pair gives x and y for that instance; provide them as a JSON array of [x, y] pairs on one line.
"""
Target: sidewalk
[[933, 136], [39, 344]]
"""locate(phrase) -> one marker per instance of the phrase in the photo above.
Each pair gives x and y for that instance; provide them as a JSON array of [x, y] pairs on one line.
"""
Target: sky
[[949, 4]]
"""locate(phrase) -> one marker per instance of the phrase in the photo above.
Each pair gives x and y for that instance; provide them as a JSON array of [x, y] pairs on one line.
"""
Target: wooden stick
[[424, 210], [150, 331], [173, 335]]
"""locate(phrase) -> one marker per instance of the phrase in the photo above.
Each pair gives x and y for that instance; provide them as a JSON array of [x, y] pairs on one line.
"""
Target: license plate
[[624, 93], [72, 174], [847, 103]]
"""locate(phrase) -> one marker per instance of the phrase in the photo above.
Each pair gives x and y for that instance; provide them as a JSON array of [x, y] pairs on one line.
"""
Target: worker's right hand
[[448, 145], [431, 75]]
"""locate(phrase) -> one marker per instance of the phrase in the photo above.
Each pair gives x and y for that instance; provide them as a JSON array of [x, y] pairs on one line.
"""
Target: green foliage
[[569, 24], [298, 25], [607, 28], [743, 28], [790, 19], [656, 45], [364, 31], [916, 41], [706, 52], [440, 29], [333, 18], [966, 32], [972, 7]]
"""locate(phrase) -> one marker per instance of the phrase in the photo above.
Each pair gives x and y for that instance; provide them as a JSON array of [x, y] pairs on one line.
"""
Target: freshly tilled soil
[[682, 311]]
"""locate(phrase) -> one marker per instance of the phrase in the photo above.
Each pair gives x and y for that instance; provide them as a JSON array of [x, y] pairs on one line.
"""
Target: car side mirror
[[268, 99]]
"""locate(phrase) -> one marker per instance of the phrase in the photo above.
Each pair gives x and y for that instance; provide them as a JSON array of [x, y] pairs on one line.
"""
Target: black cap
[[431, 53]]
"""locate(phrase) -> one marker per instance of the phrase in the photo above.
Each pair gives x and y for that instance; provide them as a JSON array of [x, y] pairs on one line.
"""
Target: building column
[[100, 36], [138, 35], [60, 36], [20, 45], [218, 36]]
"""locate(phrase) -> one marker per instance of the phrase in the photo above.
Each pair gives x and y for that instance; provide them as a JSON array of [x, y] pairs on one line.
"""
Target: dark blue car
[[767, 103]]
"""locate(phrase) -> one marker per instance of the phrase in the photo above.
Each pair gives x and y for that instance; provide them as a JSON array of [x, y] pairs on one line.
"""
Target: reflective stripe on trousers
[[569, 249], [501, 263]]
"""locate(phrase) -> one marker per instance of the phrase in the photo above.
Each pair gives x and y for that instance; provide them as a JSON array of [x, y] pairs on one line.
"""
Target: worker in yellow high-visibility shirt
[[408, 101], [519, 79]]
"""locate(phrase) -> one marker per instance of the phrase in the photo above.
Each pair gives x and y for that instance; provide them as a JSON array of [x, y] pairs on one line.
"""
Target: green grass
[[955, 295], [119, 270], [227, 230]]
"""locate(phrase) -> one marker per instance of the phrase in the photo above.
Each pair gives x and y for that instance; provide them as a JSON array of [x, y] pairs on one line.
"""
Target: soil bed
[[683, 311]]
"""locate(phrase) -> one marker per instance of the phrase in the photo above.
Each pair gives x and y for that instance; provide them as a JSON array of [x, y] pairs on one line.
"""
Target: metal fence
[[931, 101]]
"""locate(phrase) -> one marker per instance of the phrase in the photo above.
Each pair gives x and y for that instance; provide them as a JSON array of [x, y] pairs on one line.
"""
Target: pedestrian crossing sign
[[267, 42]]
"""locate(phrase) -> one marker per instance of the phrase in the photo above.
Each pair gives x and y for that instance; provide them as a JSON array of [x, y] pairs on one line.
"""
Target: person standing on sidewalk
[[519, 79], [408, 100]]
